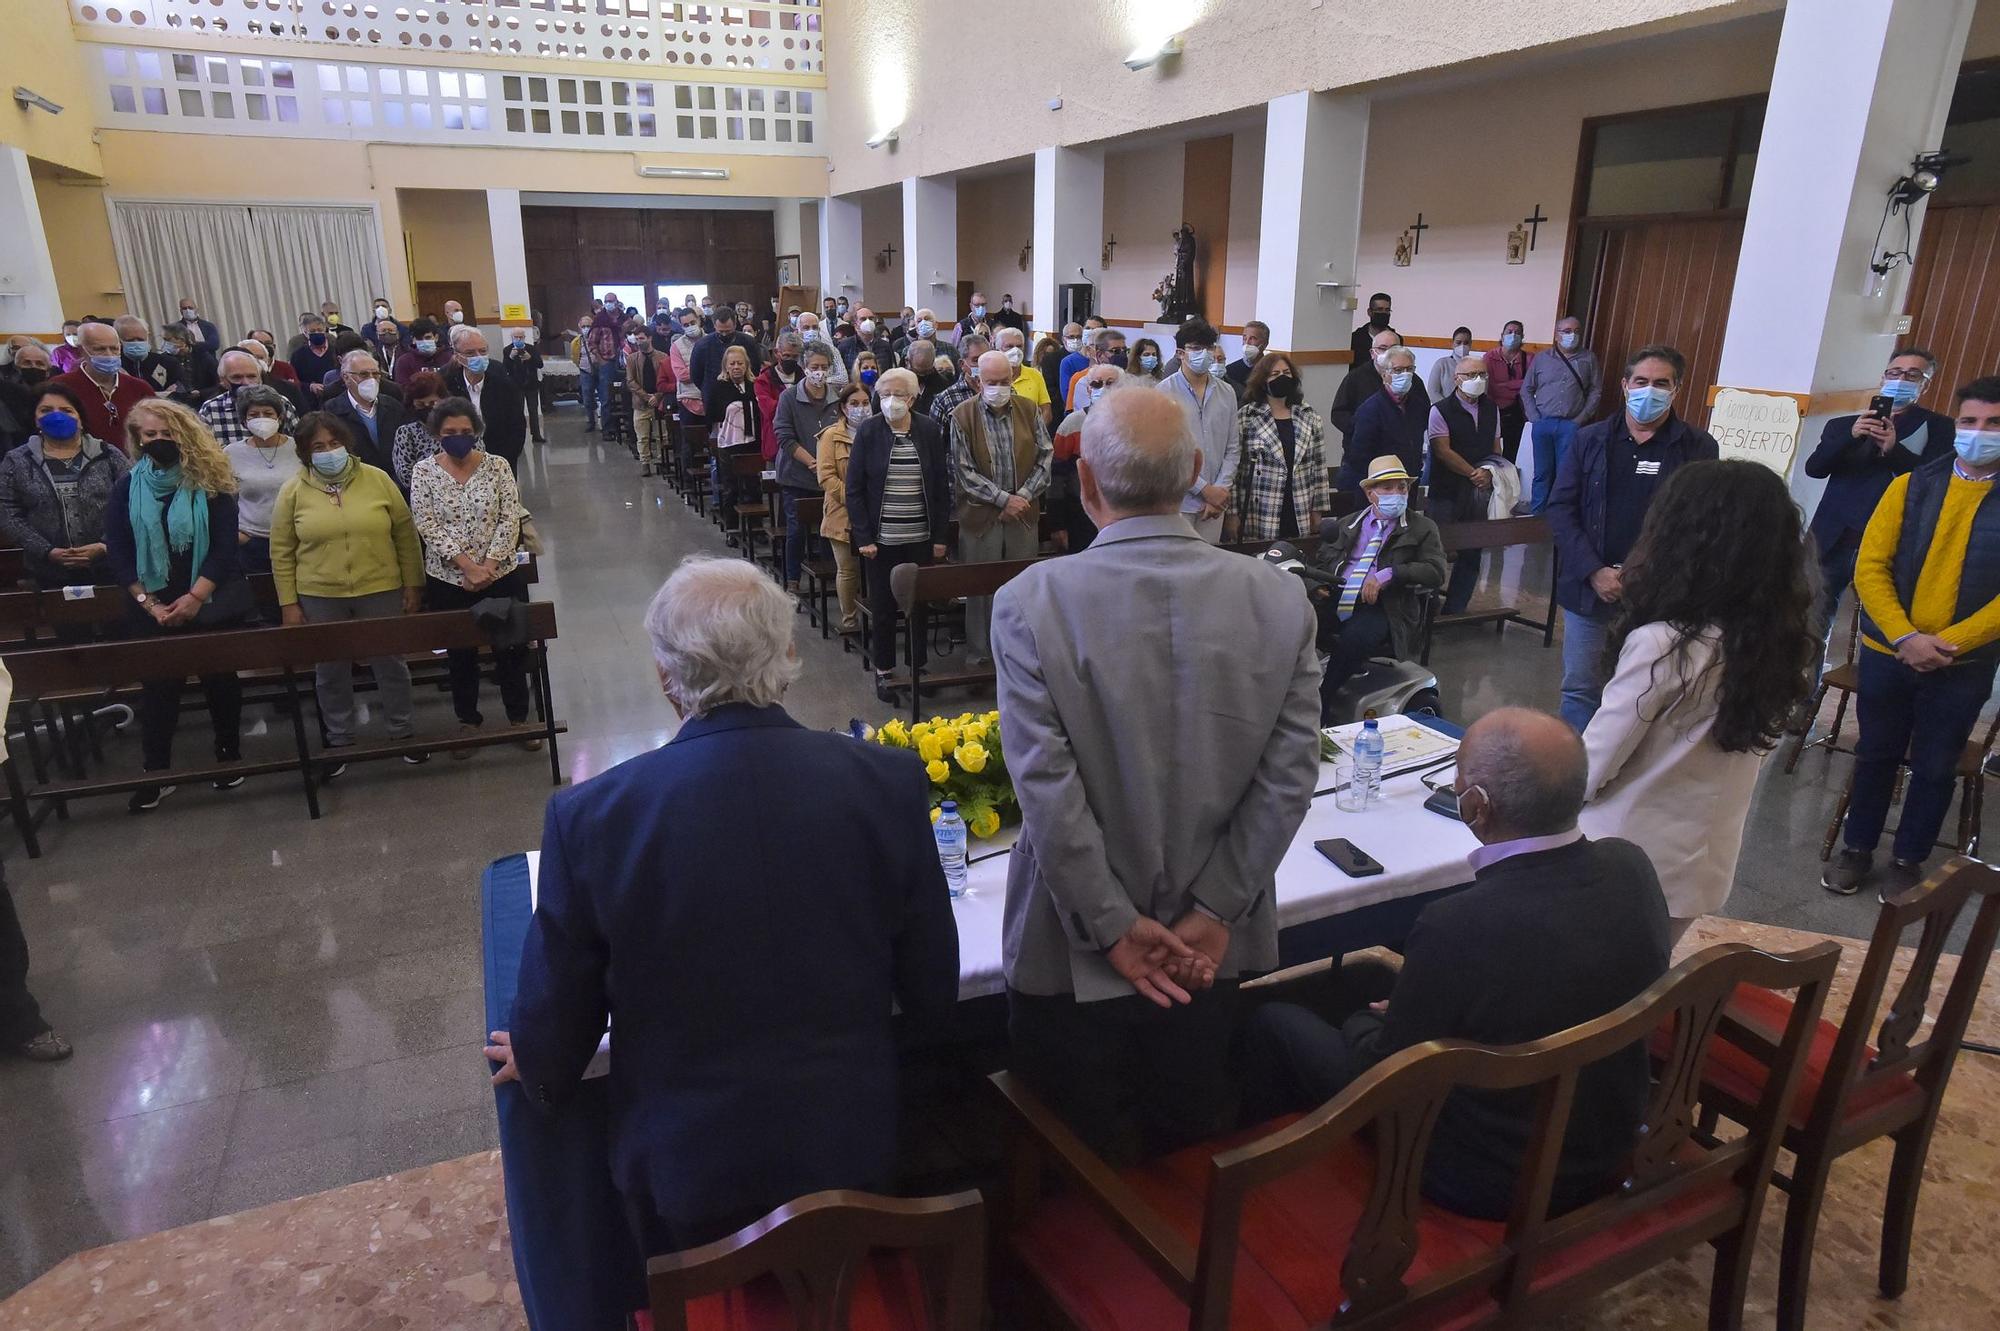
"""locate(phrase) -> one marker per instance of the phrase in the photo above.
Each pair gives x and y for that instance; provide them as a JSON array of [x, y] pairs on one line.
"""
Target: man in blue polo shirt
[[1607, 482]]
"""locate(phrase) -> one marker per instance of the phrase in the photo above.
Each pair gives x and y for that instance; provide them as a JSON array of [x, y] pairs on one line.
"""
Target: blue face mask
[[476, 364], [330, 463], [426, 346], [1510, 340], [1902, 392], [1979, 448], [137, 350], [518, 343], [1392, 506], [1648, 404], [868, 378], [1149, 362], [57, 425], [106, 364]]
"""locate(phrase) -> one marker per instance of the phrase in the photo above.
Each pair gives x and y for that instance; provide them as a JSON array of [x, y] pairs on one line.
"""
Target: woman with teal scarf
[[170, 530]]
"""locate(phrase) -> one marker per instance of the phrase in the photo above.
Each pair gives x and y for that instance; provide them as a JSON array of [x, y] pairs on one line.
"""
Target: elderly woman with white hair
[[756, 1051], [898, 504]]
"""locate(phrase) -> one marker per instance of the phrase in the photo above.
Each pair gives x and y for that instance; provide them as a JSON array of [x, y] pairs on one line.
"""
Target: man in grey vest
[[1162, 770], [1000, 458]]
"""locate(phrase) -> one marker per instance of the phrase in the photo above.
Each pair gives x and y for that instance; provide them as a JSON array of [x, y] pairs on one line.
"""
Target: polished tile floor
[[265, 1006]]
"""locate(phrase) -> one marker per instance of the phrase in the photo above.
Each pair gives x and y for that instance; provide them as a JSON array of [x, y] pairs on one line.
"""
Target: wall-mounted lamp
[[684, 173], [1925, 175], [885, 136], [27, 97], [1152, 54]]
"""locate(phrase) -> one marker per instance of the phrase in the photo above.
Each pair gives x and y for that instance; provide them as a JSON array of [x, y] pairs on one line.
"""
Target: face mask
[[317, 341], [868, 378], [390, 339], [1400, 381], [368, 390], [841, 308], [381, 311], [331, 462], [1281, 385], [895, 408], [867, 328], [1149, 362], [1013, 355], [1460, 350], [188, 315], [1196, 359], [979, 311], [164, 454], [856, 415], [1567, 341], [263, 427], [1251, 351], [427, 346], [518, 342], [478, 364], [925, 328], [1474, 387], [1902, 392], [1086, 394], [457, 446], [106, 364], [70, 338], [1979, 448], [816, 377], [57, 425], [1510, 340], [333, 319], [1381, 359], [706, 308], [34, 376], [1391, 506], [996, 396], [1378, 319], [1072, 344], [1647, 404], [137, 350]]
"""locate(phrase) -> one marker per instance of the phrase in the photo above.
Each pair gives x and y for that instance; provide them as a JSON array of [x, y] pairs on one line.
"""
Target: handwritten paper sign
[[513, 313], [1756, 427]]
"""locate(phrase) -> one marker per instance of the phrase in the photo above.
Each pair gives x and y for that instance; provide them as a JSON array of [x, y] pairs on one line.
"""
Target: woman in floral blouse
[[468, 512]]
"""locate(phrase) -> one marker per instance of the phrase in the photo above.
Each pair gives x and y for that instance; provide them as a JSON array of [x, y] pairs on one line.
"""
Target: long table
[[575, 1259]]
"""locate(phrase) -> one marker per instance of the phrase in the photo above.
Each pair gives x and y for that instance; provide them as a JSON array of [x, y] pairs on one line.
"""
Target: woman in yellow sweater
[[343, 546]]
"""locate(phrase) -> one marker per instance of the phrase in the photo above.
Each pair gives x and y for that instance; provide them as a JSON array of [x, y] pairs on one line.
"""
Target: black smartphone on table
[[1349, 858]]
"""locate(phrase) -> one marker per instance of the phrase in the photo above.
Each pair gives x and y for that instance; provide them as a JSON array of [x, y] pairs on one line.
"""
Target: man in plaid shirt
[[237, 369], [970, 348]]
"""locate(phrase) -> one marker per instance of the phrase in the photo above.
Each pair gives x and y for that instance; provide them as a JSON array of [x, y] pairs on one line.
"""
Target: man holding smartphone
[[1858, 456]]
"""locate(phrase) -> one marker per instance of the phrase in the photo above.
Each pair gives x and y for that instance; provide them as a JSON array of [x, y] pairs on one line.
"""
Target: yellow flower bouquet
[[965, 761]]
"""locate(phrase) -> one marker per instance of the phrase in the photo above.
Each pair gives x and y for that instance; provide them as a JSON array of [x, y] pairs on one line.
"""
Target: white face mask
[[381, 311], [1382, 361], [1013, 355], [895, 408], [1196, 359], [457, 317], [70, 338], [856, 415], [368, 390], [1460, 350], [867, 328], [996, 396], [1473, 387], [263, 427]]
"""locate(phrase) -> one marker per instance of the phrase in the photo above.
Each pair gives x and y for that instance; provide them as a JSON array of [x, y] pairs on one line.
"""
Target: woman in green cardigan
[[343, 546]]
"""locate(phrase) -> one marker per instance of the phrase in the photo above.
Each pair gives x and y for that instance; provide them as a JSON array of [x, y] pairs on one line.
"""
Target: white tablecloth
[[1420, 852]]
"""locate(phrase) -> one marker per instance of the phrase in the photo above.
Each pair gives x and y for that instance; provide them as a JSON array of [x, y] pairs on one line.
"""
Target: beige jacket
[[836, 441], [1656, 777]]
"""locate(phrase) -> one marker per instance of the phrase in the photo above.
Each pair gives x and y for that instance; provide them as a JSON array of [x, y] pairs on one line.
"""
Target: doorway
[[1666, 281], [431, 297]]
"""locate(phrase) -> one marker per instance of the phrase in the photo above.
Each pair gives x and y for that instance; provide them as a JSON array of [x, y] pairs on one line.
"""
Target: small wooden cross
[[1417, 234], [1533, 221], [1110, 247]]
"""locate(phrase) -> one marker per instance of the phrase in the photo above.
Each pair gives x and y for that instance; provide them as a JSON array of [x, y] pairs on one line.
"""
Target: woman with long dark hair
[[1714, 643]]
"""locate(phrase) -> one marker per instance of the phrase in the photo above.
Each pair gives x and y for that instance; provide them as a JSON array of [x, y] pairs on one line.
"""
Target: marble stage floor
[[427, 1249]]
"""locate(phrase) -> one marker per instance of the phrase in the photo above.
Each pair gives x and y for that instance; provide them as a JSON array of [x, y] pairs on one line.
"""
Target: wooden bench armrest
[[1157, 1244]]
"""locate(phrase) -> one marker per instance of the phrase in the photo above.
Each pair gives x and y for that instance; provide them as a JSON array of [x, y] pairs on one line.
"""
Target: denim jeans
[[1552, 439], [1584, 672], [602, 377], [1927, 715], [1836, 571]]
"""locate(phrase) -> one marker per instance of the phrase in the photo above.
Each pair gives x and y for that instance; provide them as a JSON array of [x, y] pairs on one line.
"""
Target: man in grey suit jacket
[[1159, 702]]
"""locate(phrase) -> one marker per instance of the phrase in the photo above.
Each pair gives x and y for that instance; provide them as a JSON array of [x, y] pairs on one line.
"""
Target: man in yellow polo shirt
[[1929, 581], [1028, 381]]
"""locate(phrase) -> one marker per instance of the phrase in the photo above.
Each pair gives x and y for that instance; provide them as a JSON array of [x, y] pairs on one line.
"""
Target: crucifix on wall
[[1533, 221], [884, 257], [1110, 246], [1417, 230]]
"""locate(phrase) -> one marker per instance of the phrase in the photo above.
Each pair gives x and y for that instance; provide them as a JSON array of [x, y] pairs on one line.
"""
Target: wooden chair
[[1971, 793], [1853, 1092], [834, 1261], [920, 586], [750, 517], [1320, 1220], [817, 572], [1846, 678]]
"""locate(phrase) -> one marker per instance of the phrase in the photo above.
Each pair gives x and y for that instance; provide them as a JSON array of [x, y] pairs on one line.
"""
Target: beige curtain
[[246, 265]]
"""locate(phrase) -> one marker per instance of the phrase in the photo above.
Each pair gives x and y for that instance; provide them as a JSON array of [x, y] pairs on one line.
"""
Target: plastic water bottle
[[950, 832], [1368, 760]]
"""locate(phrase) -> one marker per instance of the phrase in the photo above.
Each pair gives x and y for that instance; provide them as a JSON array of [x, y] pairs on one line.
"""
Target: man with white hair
[[1000, 457], [1028, 382], [237, 369], [371, 415], [1154, 813], [494, 396], [107, 392], [920, 327], [756, 1059]]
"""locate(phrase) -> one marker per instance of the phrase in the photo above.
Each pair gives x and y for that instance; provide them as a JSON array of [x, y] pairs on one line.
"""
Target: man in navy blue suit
[[745, 906]]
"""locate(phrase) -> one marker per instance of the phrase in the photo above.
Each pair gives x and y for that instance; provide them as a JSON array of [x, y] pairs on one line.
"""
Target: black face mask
[[1282, 385], [33, 376], [1378, 319], [165, 453]]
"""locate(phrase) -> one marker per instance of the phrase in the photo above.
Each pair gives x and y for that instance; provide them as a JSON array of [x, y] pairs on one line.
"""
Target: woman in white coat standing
[[1713, 645]]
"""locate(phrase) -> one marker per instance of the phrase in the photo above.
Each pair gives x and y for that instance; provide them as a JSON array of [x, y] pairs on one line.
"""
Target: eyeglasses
[[1908, 376]]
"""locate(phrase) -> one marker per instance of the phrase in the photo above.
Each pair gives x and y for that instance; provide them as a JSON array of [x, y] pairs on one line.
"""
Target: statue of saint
[[1182, 303]]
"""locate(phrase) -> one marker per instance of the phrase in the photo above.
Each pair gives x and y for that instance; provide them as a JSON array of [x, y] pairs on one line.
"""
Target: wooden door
[[1665, 280], [964, 304], [431, 297], [1955, 297]]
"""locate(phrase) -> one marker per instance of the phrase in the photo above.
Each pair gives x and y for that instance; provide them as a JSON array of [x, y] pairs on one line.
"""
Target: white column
[[28, 299], [510, 250], [1859, 88], [1315, 153], [930, 245], [1069, 225], [840, 247]]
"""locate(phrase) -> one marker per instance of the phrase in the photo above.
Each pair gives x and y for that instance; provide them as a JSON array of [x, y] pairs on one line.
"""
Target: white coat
[[1659, 780]]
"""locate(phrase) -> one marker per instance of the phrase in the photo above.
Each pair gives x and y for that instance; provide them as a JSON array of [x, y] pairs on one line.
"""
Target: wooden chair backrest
[[746, 462], [811, 511], [816, 1249], [1396, 1104], [922, 584], [223, 651], [1936, 904], [1494, 534]]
